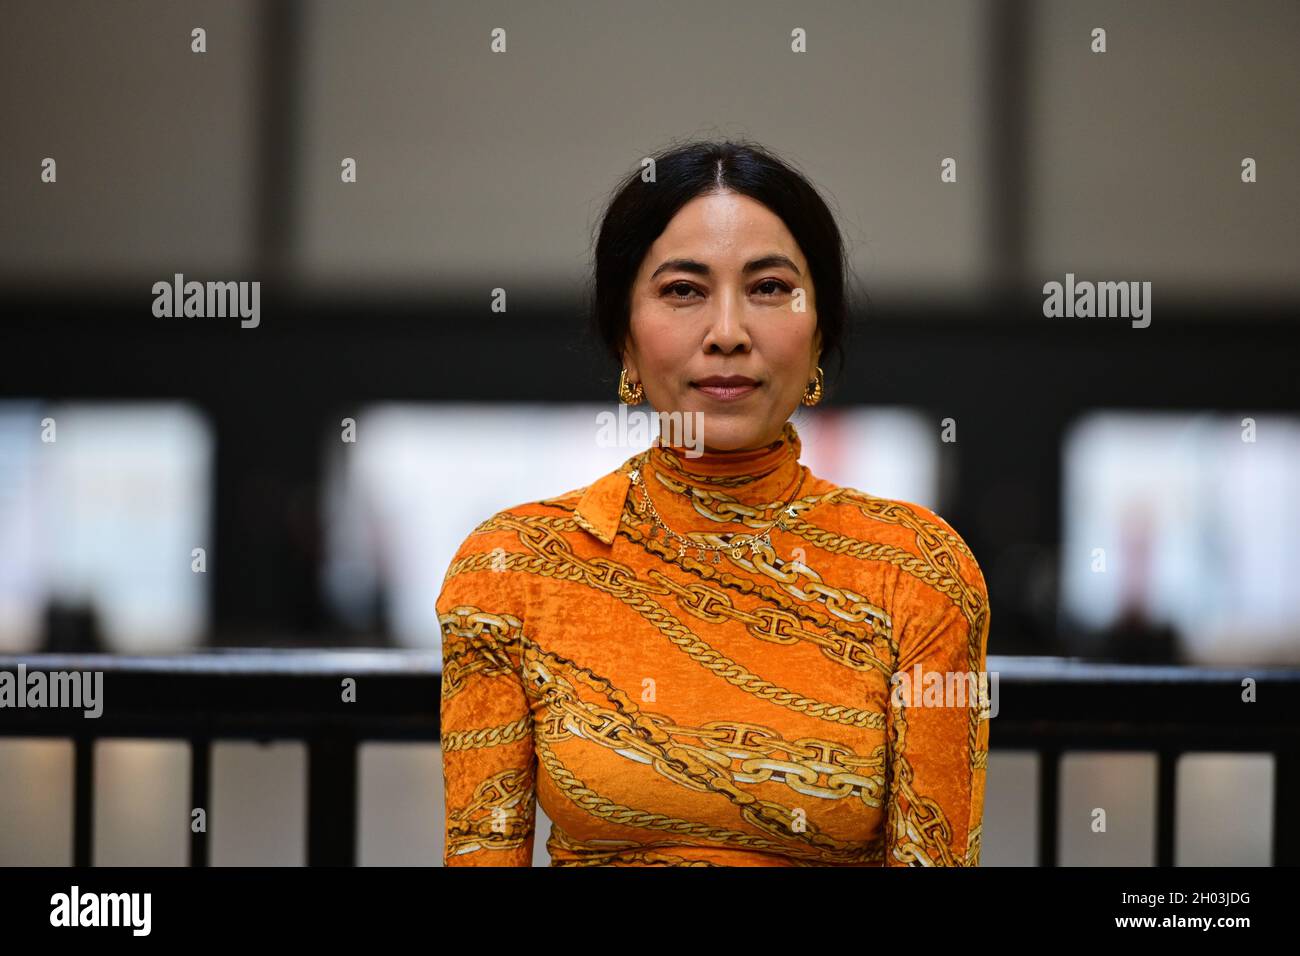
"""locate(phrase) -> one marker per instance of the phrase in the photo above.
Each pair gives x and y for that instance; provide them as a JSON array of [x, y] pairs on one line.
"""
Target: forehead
[[722, 225]]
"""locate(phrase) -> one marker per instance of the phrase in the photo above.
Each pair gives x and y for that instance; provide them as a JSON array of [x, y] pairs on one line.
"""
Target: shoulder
[[491, 559], [910, 533], [938, 599]]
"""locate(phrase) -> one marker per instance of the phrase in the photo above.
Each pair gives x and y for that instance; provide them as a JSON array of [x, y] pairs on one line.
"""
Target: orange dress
[[676, 707]]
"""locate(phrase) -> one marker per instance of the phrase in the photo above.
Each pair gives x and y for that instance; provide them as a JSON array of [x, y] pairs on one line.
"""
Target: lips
[[726, 387]]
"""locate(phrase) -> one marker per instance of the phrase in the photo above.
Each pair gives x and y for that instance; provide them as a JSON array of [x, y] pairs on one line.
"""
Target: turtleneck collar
[[693, 494], [728, 469]]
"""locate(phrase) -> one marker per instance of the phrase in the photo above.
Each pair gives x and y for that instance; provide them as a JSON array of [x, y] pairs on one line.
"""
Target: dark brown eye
[[675, 288], [780, 286]]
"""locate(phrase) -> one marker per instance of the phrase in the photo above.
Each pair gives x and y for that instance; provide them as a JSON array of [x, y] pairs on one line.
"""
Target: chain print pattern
[[844, 606], [520, 729], [646, 737], [615, 579], [473, 827], [616, 852]]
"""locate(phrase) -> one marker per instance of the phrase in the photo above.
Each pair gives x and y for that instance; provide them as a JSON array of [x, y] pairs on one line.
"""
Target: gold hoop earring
[[629, 395], [813, 393]]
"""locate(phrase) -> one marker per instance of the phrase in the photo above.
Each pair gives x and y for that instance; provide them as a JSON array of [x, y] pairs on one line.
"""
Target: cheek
[[786, 353], [791, 343], [663, 344]]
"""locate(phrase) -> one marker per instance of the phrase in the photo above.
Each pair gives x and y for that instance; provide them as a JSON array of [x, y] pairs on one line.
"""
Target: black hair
[[640, 211]]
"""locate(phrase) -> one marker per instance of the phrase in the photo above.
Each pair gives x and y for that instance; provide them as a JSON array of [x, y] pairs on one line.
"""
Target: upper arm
[[938, 728], [489, 766]]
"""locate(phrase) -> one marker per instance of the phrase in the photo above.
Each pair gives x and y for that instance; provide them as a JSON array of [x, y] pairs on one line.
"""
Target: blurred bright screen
[[101, 508], [1198, 525]]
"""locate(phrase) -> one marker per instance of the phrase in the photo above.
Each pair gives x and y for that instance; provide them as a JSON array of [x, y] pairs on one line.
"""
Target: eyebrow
[[696, 267]]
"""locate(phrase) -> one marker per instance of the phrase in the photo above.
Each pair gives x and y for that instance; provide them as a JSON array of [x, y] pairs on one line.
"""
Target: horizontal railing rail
[[335, 700]]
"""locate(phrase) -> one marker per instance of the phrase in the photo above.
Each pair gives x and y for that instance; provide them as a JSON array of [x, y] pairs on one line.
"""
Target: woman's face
[[715, 296]]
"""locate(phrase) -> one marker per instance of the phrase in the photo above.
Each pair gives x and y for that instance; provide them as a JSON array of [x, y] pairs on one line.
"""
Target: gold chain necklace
[[735, 542]]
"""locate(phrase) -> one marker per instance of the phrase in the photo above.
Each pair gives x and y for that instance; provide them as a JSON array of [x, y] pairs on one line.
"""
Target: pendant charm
[[681, 551], [700, 555], [717, 557]]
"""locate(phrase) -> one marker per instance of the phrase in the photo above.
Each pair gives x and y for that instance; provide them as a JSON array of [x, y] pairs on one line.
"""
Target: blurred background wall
[[1171, 451]]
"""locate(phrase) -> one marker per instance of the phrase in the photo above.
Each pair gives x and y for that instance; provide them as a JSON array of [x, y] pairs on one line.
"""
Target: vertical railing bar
[[332, 800], [200, 793], [1166, 801], [1049, 804], [1286, 797], [83, 801]]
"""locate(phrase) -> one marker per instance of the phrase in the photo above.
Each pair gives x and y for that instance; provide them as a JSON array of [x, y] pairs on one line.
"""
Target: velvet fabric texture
[[676, 707]]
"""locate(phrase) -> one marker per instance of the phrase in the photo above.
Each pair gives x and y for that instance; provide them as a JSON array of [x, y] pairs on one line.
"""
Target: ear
[[629, 362]]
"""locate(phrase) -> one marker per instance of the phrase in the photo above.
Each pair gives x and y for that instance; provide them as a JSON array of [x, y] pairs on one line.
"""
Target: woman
[[689, 661]]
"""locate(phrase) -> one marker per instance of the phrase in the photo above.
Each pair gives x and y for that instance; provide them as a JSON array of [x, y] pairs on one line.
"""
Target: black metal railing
[[336, 700]]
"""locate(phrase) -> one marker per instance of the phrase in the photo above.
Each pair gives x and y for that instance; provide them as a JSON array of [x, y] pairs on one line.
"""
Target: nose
[[729, 329]]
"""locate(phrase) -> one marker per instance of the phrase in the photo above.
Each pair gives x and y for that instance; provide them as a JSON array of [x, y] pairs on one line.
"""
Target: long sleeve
[[937, 730], [488, 762]]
